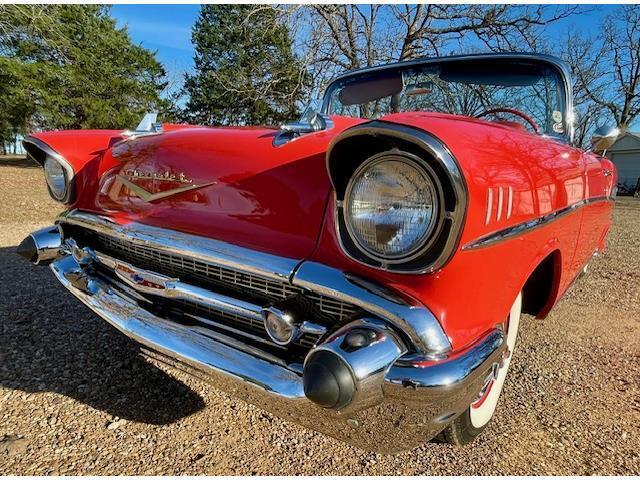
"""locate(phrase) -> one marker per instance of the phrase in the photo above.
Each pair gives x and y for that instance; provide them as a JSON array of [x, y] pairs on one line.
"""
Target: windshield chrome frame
[[561, 67]]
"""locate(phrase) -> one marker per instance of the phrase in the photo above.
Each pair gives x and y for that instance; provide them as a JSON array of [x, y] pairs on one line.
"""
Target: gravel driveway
[[76, 399]]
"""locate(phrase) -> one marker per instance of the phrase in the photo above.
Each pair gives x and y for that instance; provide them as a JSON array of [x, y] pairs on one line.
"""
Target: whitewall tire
[[472, 422]]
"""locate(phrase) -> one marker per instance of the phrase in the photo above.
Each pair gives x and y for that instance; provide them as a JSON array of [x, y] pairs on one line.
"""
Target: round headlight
[[56, 178], [391, 206]]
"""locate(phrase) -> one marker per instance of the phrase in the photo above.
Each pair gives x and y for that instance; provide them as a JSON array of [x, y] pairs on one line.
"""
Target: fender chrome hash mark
[[523, 227], [152, 197]]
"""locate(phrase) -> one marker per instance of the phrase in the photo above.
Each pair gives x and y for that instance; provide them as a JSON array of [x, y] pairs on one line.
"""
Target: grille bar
[[173, 265], [220, 280]]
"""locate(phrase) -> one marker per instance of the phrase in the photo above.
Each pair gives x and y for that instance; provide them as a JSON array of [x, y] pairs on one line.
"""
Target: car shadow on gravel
[[17, 162], [51, 342]]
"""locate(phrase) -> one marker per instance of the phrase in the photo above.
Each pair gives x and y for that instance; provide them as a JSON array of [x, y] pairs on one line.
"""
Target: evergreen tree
[[69, 66], [246, 71]]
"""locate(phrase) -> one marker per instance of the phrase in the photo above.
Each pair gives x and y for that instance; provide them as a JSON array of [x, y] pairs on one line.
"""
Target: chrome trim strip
[[525, 227], [500, 200], [416, 321], [204, 249], [510, 203], [176, 289], [487, 217]]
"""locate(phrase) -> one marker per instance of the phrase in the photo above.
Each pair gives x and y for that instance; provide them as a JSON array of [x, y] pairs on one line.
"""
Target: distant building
[[625, 154]]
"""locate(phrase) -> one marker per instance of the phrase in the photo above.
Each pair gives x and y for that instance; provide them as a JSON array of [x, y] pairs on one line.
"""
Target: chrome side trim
[[170, 241], [416, 321], [525, 227]]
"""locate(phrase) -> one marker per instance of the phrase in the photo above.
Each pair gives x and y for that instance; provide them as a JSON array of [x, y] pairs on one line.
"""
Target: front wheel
[[474, 419]]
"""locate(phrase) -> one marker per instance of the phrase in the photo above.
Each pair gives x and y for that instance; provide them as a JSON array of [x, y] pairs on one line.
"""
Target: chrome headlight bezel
[[355, 146], [427, 237], [42, 153]]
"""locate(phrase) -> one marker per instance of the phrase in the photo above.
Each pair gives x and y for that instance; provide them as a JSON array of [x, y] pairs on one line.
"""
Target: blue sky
[[167, 30]]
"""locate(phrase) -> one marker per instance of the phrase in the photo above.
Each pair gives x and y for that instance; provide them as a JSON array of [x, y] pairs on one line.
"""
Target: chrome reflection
[[418, 397]]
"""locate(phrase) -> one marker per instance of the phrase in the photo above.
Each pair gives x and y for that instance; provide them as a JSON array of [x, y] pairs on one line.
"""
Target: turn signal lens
[[279, 326]]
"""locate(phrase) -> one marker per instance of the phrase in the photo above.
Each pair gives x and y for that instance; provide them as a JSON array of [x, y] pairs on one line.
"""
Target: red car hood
[[231, 184]]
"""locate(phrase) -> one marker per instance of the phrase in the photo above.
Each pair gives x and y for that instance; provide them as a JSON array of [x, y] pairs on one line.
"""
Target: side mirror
[[604, 137], [309, 122]]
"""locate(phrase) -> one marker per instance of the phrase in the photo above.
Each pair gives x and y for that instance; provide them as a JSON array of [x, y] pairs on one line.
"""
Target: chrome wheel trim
[[481, 411]]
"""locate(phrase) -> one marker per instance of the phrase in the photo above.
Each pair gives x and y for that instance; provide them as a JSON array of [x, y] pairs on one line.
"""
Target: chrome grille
[[176, 265], [249, 287]]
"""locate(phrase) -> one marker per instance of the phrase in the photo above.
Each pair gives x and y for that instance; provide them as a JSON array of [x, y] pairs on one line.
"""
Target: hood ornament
[[147, 126], [127, 178]]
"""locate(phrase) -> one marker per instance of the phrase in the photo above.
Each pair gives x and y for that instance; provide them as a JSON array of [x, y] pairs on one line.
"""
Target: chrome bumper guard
[[400, 401]]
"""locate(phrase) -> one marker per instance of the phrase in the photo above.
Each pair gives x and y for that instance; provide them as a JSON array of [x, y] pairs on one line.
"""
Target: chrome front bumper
[[414, 400]]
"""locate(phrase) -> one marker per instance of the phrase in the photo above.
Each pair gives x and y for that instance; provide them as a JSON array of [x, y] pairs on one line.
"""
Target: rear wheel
[[474, 419]]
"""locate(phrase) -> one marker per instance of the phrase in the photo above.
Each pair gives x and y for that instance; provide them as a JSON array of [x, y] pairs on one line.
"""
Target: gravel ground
[[75, 398]]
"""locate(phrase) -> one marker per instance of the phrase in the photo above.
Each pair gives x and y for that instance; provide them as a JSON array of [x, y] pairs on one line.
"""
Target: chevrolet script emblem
[[128, 176]]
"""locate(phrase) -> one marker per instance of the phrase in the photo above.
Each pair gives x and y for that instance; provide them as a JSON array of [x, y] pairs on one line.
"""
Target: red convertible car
[[361, 271]]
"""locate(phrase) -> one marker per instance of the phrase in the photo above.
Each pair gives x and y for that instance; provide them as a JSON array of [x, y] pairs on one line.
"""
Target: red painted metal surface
[[475, 291], [254, 194], [279, 200]]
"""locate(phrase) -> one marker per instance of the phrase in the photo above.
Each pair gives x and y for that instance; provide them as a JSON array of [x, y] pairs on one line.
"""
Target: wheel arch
[[542, 285]]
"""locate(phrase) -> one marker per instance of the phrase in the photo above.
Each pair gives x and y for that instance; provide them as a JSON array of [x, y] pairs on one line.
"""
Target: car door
[[596, 218]]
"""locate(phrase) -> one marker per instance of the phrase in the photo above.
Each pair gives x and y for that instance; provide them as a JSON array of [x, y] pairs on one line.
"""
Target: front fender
[[513, 179], [79, 151]]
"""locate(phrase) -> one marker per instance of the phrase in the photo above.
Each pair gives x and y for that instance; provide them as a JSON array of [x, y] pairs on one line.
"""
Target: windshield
[[524, 94]]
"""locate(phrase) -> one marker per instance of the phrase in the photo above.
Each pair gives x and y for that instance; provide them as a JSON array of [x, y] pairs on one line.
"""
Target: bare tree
[[584, 54], [336, 38], [606, 71], [617, 92]]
